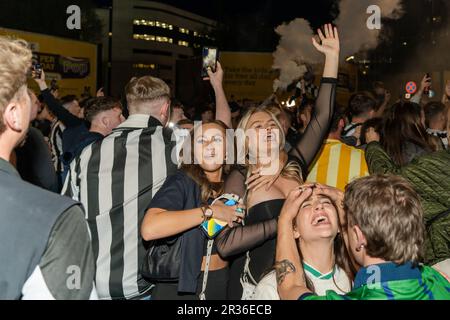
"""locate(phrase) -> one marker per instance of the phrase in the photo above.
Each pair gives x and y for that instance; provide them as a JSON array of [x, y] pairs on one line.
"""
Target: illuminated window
[[144, 37], [151, 23], [183, 43], [195, 34], [144, 66], [183, 30]]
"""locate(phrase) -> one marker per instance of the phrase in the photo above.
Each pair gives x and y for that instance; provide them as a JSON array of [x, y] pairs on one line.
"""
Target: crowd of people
[[232, 201]]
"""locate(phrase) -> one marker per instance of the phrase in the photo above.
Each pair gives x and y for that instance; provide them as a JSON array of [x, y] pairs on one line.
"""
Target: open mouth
[[320, 219]]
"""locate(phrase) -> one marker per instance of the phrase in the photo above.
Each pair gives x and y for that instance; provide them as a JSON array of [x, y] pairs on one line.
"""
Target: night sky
[[276, 11]]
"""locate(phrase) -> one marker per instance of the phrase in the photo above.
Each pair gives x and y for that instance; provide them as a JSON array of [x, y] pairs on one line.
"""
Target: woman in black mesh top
[[267, 164]]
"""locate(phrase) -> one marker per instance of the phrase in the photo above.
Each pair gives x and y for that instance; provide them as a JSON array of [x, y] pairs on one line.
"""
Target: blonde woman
[[263, 148]]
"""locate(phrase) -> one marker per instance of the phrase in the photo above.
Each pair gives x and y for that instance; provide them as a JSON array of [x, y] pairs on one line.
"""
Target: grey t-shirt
[[67, 268]]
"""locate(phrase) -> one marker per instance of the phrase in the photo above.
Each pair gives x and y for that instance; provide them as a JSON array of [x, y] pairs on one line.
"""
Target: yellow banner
[[248, 74], [72, 63]]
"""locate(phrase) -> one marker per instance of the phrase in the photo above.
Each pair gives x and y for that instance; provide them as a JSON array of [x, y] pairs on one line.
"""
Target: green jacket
[[430, 177]]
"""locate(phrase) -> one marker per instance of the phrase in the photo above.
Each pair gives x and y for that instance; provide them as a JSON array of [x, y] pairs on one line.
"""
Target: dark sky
[[277, 11]]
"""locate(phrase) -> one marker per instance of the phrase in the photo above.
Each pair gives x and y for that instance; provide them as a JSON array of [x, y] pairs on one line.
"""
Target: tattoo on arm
[[282, 269]]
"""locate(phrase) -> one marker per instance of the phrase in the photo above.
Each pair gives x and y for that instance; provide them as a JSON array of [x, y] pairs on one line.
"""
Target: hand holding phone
[[214, 226], [209, 60], [37, 71]]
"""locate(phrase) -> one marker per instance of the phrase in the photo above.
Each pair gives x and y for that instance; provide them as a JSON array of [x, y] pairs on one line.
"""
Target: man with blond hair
[[45, 248], [116, 179]]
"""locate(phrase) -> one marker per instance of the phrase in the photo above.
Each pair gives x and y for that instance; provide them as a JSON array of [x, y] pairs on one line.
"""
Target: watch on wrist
[[207, 213]]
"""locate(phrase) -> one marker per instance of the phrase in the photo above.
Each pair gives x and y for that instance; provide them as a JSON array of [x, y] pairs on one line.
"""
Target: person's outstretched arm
[[378, 161], [239, 239], [311, 141], [223, 112], [63, 115]]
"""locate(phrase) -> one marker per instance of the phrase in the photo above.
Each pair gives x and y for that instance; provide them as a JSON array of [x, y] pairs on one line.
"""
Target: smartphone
[[210, 57], [37, 68]]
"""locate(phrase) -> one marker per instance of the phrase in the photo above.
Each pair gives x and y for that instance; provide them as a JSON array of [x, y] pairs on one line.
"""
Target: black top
[[259, 238], [179, 192], [34, 161], [260, 224]]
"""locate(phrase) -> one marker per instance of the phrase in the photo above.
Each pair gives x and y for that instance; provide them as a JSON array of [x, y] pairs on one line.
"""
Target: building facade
[[147, 38]]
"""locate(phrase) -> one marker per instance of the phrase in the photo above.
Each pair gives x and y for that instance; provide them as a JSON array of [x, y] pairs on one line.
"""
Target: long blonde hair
[[292, 169]]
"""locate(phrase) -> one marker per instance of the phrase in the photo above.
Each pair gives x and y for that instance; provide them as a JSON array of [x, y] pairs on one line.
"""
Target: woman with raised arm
[[321, 247], [267, 164]]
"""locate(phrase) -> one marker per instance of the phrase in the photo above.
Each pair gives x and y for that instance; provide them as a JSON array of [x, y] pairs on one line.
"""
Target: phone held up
[[37, 70], [209, 57]]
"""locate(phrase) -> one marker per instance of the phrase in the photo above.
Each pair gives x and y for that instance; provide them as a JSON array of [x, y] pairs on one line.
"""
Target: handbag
[[163, 260]]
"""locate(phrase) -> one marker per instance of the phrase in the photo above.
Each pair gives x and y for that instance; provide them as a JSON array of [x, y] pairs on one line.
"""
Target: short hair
[[98, 105], [68, 99], [338, 115], [378, 85], [15, 63], [433, 109], [146, 89], [361, 104], [182, 122], [376, 123], [176, 104], [389, 213]]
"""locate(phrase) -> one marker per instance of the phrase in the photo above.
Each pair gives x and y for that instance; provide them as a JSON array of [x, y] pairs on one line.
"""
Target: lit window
[[183, 30], [183, 43], [144, 66]]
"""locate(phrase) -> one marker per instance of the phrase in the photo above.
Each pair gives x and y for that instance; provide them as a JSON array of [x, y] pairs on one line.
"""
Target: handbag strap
[[206, 272], [247, 275]]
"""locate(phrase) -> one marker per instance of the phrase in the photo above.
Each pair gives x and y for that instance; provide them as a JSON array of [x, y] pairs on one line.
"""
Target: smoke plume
[[295, 48]]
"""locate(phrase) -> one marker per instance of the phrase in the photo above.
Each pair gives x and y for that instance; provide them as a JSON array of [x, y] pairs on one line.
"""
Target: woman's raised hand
[[329, 41]]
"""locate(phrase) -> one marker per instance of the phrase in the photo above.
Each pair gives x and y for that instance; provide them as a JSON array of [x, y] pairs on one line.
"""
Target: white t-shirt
[[339, 282]]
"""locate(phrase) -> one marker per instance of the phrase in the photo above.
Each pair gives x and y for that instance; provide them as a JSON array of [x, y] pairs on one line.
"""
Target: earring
[[359, 248]]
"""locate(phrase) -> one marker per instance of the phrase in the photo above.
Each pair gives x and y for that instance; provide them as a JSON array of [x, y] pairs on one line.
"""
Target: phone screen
[[38, 70], [209, 60]]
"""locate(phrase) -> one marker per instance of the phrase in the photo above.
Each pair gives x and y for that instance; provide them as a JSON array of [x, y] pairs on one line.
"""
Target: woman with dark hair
[[182, 204], [371, 130], [322, 250], [429, 176], [269, 173], [405, 135]]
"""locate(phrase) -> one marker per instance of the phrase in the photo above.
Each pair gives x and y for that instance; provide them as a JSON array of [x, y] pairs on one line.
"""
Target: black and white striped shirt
[[115, 179], [56, 132]]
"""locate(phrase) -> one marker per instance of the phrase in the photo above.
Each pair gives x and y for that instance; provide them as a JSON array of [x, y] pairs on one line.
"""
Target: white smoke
[[295, 47], [352, 23]]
